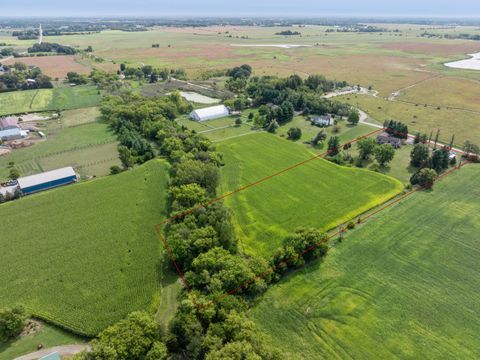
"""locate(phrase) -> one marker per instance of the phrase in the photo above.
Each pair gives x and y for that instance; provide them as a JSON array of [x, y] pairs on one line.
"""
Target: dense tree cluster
[[288, 33], [76, 78], [12, 321], [396, 129], [52, 47], [21, 77], [151, 74]]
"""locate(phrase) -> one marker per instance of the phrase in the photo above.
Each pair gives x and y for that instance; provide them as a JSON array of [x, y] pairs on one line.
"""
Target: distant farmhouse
[[210, 113], [323, 120], [385, 138]]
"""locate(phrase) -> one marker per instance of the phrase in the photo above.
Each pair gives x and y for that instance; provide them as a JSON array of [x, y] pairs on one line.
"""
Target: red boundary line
[[311, 248]]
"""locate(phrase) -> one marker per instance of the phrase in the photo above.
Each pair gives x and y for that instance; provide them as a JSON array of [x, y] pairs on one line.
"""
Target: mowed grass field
[[86, 255], [62, 98], [464, 124], [405, 285], [318, 194], [76, 139]]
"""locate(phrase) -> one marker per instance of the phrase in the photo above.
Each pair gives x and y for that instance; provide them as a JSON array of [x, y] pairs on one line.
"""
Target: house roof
[[32, 180], [8, 121], [211, 111]]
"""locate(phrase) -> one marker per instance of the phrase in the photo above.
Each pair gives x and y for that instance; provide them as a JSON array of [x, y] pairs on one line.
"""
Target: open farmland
[[61, 98], [96, 262], [90, 148], [404, 285], [446, 92], [464, 124], [319, 193], [53, 66]]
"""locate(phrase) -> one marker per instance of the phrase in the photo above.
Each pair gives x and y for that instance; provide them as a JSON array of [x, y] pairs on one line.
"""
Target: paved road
[[64, 350]]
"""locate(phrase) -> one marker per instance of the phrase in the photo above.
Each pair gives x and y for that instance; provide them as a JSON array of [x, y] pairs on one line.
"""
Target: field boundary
[[329, 237]]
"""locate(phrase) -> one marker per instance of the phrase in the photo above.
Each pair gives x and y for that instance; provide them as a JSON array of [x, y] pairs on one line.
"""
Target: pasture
[[319, 193], [421, 118], [61, 98], [404, 285], [54, 66], [94, 264], [91, 148]]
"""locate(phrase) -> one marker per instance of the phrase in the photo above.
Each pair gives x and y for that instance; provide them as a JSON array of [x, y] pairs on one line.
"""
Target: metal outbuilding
[[210, 113], [47, 180]]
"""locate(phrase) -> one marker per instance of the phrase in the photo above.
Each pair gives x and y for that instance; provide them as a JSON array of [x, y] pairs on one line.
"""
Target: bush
[[351, 225], [294, 133], [12, 321]]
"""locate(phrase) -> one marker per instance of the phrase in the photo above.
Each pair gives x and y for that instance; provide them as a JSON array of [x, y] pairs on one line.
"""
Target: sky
[[285, 8]]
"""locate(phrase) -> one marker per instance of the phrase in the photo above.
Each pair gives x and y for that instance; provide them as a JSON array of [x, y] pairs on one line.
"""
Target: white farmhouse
[[209, 113]]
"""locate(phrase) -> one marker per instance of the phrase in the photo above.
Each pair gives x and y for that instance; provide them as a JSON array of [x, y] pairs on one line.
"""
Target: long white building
[[210, 113]]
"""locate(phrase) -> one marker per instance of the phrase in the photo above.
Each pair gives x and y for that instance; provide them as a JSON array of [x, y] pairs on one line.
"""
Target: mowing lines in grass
[[278, 173]]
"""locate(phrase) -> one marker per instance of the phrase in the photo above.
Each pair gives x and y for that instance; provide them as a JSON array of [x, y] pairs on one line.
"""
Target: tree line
[[203, 243]]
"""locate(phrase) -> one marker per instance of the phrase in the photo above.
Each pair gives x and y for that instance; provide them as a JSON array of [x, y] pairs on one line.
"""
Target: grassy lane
[[405, 285]]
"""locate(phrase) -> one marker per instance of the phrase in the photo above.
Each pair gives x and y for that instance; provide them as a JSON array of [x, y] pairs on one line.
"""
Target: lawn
[[48, 336], [91, 148], [404, 285], [94, 264], [319, 193], [61, 98], [464, 124]]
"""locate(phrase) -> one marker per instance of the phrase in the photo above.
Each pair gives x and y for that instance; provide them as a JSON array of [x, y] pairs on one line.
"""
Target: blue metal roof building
[[10, 134], [47, 180]]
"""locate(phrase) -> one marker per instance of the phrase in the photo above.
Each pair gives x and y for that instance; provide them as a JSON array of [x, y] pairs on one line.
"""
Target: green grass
[[463, 124], [85, 255], [404, 285], [48, 336], [62, 98], [80, 116], [319, 193], [90, 147]]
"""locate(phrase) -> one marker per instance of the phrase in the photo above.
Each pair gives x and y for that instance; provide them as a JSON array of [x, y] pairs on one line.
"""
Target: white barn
[[209, 113]]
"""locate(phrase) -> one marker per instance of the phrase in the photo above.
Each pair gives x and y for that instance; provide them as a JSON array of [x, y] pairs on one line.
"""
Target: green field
[[319, 193], [90, 148], [48, 336], [62, 98], [405, 285], [86, 255]]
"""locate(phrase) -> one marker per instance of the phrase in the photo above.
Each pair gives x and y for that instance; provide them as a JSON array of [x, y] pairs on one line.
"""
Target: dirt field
[[53, 66]]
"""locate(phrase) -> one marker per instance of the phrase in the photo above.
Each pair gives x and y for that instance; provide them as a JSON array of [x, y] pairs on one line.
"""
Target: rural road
[[64, 350]]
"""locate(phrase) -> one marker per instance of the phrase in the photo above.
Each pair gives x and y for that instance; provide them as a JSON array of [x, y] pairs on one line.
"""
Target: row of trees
[[151, 74], [202, 240]]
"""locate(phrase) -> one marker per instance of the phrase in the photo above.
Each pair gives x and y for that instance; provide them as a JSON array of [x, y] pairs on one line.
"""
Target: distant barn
[[11, 134], [47, 180], [210, 113]]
